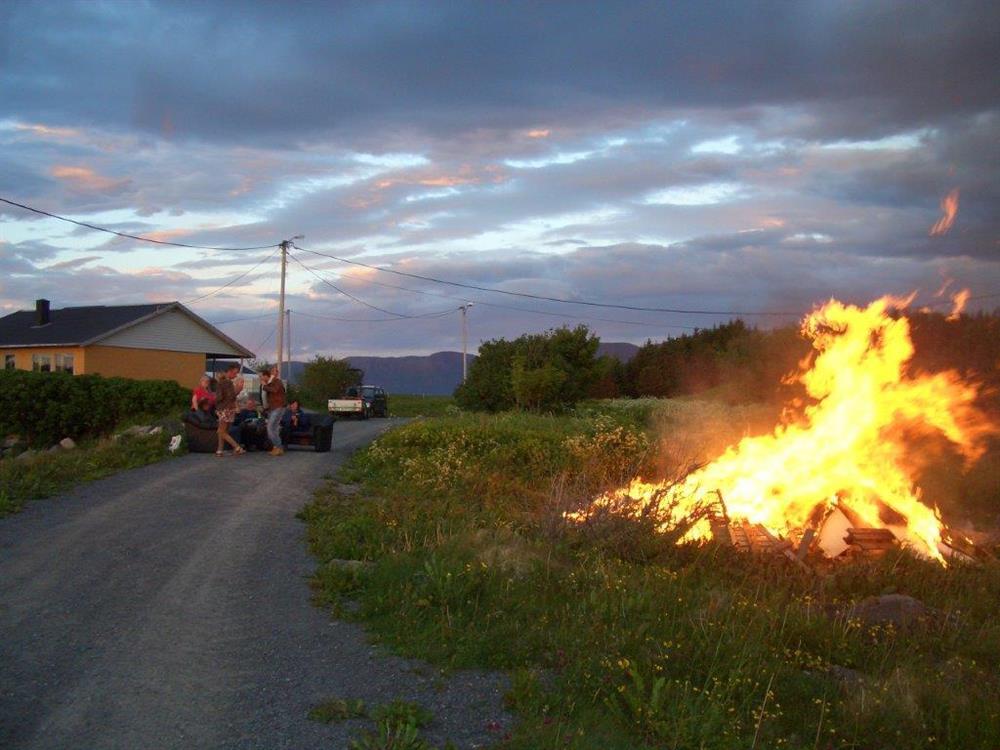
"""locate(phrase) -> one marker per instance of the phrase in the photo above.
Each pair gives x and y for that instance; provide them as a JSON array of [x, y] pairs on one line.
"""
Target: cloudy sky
[[721, 157]]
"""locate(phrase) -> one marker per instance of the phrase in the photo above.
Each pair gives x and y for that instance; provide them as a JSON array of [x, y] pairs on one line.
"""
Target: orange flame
[[949, 207], [847, 446], [958, 302]]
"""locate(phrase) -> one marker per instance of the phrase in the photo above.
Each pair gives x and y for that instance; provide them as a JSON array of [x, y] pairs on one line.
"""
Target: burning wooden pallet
[[869, 542]]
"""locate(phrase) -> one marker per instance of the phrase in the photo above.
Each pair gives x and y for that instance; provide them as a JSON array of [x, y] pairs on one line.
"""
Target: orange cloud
[[47, 131], [539, 133], [84, 178]]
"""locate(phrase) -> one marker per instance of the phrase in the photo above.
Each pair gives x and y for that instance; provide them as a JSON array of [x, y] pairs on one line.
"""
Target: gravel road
[[168, 607]]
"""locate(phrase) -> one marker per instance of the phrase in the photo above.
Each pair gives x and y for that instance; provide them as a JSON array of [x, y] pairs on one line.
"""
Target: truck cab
[[362, 401]]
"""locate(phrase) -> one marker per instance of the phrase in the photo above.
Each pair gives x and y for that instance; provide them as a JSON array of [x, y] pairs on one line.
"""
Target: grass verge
[[47, 474], [617, 640]]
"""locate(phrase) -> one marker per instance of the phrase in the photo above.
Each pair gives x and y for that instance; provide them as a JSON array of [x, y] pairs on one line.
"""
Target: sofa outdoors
[[318, 435]]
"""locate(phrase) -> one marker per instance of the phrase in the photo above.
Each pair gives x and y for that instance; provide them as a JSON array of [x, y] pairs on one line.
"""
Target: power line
[[234, 280], [348, 294], [562, 316], [544, 298], [266, 339], [237, 320], [425, 316], [126, 235]]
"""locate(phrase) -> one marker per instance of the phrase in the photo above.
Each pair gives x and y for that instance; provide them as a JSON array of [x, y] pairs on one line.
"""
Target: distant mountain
[[436, 374], [619, 349]]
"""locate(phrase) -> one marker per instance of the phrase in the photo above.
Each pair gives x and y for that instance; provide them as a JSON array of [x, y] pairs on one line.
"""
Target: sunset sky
[[724, 157]]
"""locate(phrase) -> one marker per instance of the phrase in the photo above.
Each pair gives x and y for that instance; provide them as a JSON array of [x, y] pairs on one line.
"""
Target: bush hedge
[[44, 407]]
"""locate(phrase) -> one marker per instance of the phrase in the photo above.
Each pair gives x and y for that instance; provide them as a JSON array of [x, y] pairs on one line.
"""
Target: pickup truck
[[362, 401]]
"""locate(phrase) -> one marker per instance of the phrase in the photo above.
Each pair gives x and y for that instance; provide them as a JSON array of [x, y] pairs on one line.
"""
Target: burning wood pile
[[836, 476]]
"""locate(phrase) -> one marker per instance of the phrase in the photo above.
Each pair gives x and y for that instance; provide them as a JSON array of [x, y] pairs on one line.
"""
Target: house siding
[[172, 331], [145, 364], [22, 356]]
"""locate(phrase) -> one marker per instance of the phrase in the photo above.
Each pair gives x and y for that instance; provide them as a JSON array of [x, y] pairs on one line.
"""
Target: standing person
[[230, 384], [275, 391], [203, 391]]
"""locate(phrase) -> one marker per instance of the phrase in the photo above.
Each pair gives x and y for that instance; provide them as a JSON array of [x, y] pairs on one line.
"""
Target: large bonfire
[[846, 450]]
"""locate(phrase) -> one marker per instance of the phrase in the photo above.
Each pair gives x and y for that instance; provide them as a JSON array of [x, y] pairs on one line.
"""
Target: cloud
[[726, 157]]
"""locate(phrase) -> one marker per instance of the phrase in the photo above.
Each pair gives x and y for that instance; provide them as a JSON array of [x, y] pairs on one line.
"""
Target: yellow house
[[144, 342]]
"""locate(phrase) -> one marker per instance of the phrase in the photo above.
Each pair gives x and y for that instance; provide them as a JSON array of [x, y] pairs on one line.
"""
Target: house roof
[[83, 326]]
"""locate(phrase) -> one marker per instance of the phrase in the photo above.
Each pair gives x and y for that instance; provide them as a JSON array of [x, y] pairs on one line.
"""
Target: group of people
[[239, 421]]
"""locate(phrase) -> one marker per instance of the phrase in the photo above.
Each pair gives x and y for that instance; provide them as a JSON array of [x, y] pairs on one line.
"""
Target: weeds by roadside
[[620, 640], [50, 473], [397, 724]]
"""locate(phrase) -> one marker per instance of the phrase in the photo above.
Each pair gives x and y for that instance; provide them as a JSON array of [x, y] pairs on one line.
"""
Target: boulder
[[11, 441], [26, 455], [67, 444], [845, 675], [54, 449], [898, 610], [155, 430]]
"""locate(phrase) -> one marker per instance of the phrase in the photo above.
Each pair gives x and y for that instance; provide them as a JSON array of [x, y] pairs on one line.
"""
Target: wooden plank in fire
[[871, 540]]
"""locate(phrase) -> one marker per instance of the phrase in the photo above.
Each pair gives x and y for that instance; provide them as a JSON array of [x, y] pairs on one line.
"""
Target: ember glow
[[847, 449], [949, 209]]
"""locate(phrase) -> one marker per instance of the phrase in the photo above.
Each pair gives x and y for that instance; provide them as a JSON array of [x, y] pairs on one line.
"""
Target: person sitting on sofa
[[202, 416], [294, 421], [243, 421]]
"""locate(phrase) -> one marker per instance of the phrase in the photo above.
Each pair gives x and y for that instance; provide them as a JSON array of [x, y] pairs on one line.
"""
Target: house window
[[64, 363], [41, 362], [8, 362]]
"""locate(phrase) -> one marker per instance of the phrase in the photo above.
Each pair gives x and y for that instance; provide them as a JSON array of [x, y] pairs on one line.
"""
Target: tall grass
[[617, 639], [47, 474]]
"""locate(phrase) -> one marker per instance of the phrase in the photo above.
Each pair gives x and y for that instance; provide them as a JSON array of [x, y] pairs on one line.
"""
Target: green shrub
[[44, 407], [540, 372]]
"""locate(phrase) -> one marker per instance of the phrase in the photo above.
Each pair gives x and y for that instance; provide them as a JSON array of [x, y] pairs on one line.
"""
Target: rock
[[67, 444], [54, 449], [845, 675], [898, 610], [11, 441], [155, 430], [26, 455], [134, 431]]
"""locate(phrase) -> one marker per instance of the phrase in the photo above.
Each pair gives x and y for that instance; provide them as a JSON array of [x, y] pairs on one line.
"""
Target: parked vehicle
[[362, 401]]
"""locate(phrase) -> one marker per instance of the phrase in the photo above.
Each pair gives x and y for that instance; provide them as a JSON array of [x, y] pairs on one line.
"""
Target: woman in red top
[[202, 391]]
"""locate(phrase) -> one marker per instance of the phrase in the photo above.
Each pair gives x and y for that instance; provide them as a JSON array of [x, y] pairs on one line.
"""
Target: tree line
[[733, 362]]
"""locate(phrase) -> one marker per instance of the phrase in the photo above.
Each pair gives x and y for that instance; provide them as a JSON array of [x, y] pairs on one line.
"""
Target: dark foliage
[[324, 378], [44, 407], [538, 372], [747, 364]]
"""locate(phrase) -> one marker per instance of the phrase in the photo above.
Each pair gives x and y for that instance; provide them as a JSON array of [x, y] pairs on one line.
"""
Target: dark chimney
[[41, 312]]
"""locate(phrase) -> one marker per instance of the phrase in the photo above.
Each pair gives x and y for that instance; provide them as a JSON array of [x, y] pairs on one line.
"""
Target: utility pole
[[285, 244], [288, 343], [281, 305], [465, 340]]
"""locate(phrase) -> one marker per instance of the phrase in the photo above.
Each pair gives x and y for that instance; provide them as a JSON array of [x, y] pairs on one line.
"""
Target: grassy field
[[615, 639], [403, 405]]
